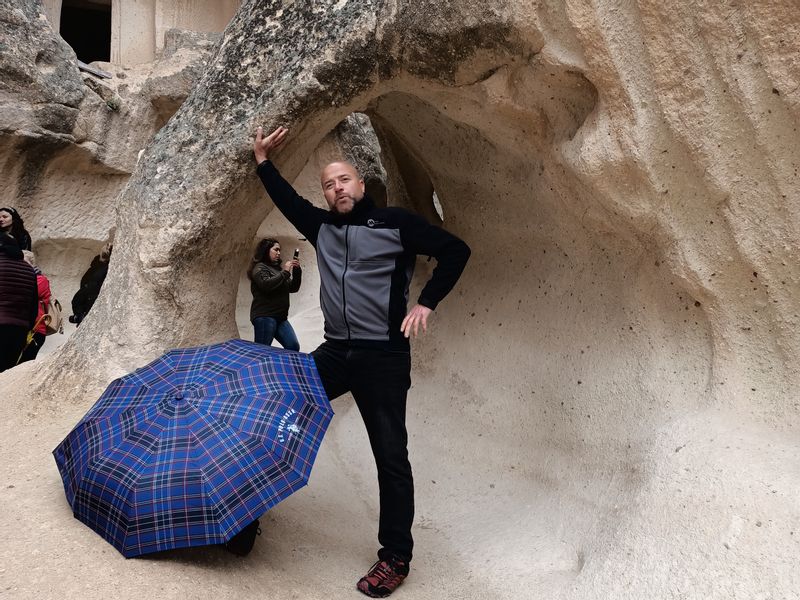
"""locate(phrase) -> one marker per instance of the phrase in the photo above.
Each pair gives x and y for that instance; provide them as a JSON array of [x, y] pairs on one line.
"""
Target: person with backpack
[[40, 328], [19, 301]]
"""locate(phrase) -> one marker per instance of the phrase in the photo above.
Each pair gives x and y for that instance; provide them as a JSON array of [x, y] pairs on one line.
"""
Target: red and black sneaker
[[383, 578]]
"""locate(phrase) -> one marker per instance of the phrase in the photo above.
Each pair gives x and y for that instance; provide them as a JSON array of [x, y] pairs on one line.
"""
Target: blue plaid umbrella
[[189, 449]]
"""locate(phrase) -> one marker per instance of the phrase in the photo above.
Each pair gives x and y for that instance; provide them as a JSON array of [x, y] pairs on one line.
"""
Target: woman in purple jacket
[[19, 302]]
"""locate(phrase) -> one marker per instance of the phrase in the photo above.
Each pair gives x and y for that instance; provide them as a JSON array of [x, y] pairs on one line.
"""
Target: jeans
[[267, 328], [379, 381]]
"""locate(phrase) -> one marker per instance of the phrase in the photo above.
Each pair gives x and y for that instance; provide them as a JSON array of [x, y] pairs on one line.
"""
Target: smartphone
[[296, 254]]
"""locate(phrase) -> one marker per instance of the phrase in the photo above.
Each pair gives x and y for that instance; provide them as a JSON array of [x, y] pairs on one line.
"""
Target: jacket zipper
[[344, 272]]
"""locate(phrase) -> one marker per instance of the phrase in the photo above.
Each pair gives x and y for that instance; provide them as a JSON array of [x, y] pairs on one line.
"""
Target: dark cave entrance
[[86, 26]]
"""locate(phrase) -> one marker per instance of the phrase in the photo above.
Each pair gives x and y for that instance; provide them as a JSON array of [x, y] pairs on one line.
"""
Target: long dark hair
[[261, 255], [9, 246], [17, 226]]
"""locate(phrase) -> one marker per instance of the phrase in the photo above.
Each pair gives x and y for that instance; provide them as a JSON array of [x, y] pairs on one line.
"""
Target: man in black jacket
[[366, 258]]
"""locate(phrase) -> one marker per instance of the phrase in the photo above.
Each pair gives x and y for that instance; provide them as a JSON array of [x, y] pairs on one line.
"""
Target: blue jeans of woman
[[269, 328]]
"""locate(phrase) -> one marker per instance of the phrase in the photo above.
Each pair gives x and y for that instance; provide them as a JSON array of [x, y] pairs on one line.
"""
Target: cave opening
[[393, 176], [86, 26]]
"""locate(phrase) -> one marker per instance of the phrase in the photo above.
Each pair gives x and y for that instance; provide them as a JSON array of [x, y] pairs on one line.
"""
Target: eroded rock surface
[[70, 140], [41, 88], [605, 406]]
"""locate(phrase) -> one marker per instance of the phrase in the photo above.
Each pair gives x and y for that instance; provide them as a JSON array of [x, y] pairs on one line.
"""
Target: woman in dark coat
[[19, 301], [271, 282], [91, 283]]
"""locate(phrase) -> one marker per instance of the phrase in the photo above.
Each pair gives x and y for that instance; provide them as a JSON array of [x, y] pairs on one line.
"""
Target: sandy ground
[[314, 545]]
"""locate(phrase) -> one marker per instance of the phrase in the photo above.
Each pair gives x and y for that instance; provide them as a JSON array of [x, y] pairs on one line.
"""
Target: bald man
[[366, 258]]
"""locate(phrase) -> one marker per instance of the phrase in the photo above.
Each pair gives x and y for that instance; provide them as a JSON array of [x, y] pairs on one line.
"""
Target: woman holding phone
[[271, 282]]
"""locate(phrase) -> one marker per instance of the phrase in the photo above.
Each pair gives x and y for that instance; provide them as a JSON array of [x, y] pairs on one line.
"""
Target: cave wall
[[610, 385]]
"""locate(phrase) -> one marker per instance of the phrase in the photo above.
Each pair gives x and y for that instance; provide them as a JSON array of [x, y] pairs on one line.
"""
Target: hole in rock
[[86, 26], [354, 140]]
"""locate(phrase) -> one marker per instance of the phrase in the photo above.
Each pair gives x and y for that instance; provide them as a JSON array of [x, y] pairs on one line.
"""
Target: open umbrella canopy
[[189, 449]]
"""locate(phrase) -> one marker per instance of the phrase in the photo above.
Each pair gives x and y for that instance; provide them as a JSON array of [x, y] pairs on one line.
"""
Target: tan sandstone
[[606, 404]]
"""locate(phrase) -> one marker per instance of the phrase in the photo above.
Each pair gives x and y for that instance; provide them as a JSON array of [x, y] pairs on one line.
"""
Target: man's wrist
[[427, 303]]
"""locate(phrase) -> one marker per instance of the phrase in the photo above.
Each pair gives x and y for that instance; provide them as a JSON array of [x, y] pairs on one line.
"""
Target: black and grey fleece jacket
[[366, 261]]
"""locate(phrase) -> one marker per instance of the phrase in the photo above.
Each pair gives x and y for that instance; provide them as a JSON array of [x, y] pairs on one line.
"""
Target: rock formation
[[605, 406], [70, 140]]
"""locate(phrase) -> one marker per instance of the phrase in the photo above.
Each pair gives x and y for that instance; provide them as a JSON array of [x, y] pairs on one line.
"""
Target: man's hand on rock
[[263, 146], [417, 316]]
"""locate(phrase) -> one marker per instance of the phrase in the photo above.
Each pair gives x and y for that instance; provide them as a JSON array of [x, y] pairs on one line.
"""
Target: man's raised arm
[[306, 217]]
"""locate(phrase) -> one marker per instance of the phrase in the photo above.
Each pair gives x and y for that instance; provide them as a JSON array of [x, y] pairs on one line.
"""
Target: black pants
[[379, 381], [12, 341]]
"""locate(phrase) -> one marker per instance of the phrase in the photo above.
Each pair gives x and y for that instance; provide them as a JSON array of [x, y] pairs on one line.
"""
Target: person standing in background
[[91, 283], [11, 223], [271, 282], [40, 332], [18, 301]]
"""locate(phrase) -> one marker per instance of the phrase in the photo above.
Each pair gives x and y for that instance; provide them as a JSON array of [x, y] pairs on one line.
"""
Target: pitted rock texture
[[41, 89], [604, 406], [69, 140]]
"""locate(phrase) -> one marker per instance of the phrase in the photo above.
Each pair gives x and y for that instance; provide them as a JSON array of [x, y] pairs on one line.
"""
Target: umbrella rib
[[190, 460], [126, 500], [243, 437], [262, 440]]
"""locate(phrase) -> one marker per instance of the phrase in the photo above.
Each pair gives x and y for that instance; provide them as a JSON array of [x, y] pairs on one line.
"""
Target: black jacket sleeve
[[268, 280], [306, 217], [450, 252]]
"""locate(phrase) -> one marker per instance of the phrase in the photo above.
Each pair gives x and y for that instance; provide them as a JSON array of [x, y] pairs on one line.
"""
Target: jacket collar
[[361, 208]]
